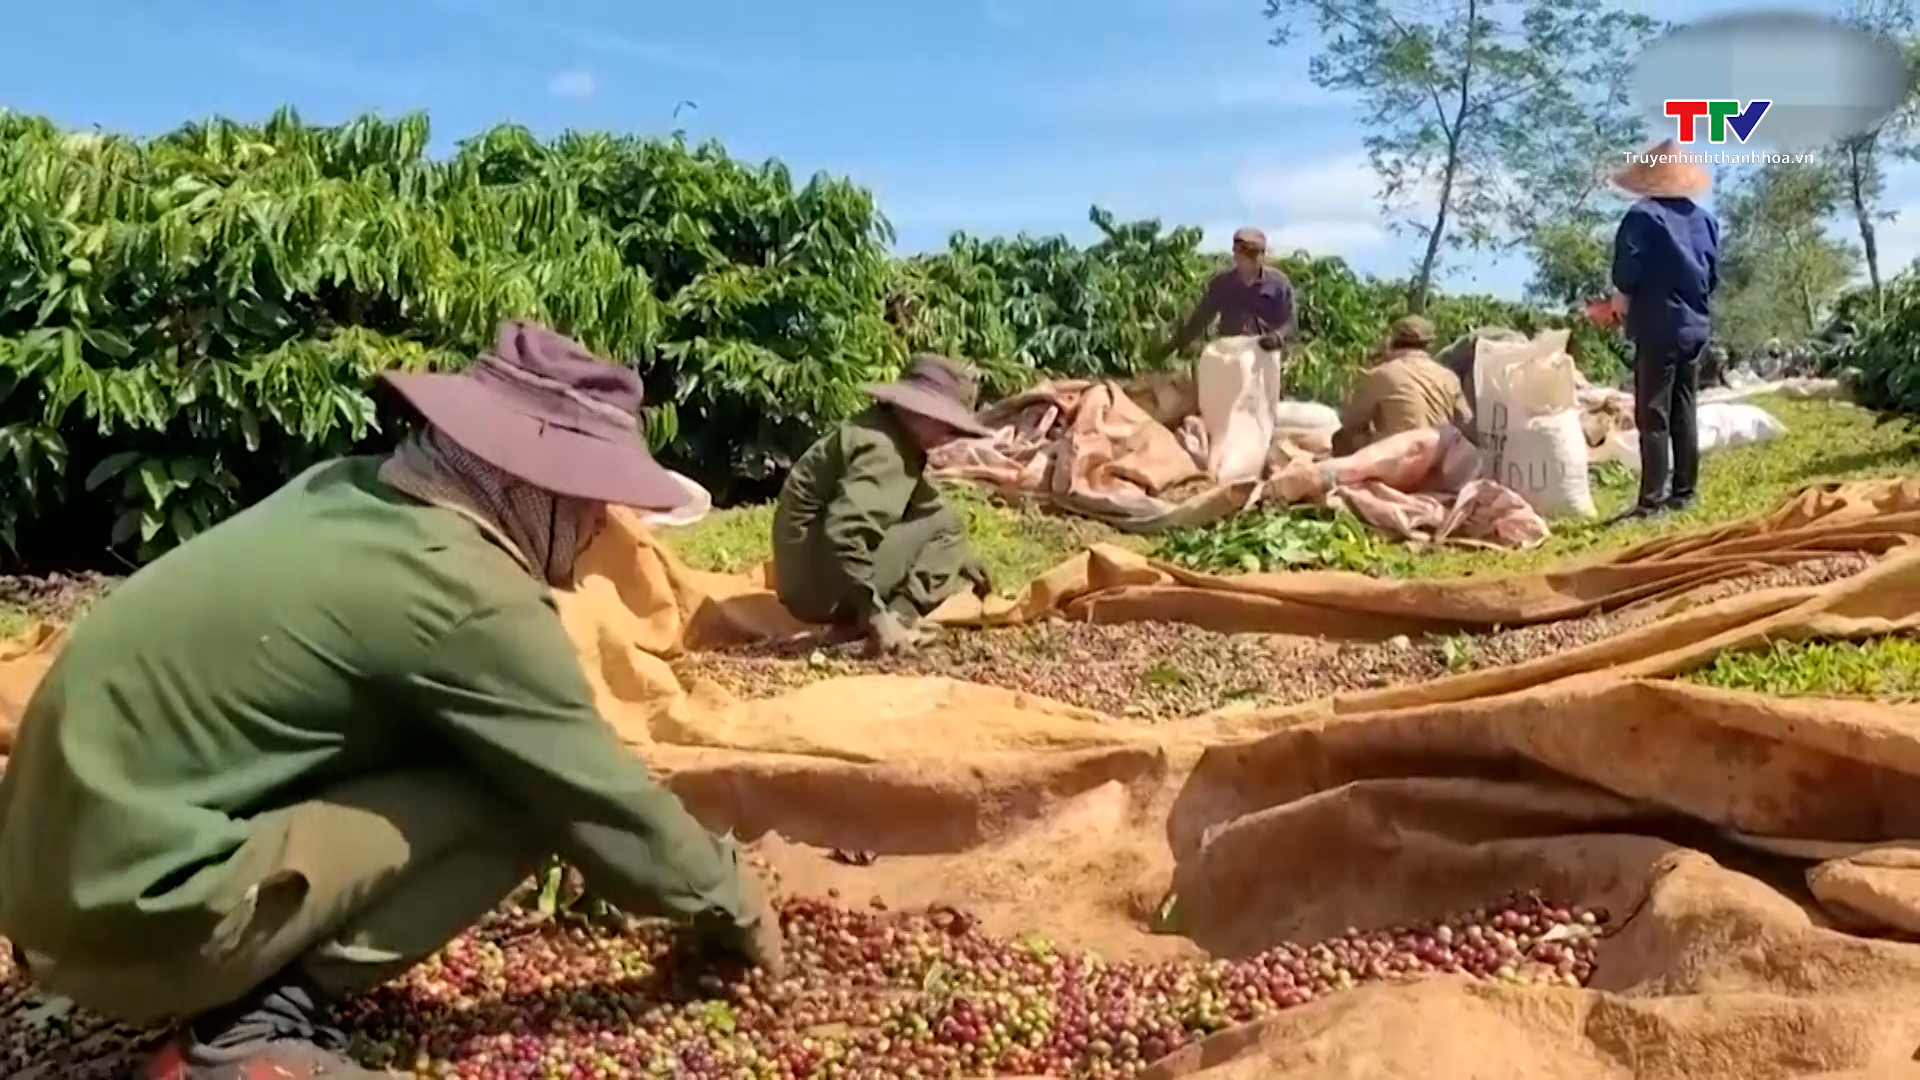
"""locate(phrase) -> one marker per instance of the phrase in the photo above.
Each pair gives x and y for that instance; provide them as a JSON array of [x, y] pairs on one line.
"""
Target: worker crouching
[[1407, 390], [861, 538], [314, 744]]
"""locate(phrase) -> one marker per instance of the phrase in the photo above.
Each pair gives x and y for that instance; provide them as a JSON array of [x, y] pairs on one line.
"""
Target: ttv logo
[[1719, 115]]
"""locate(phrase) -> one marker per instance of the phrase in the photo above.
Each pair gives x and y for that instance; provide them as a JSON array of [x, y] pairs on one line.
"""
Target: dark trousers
[[1666, 387]]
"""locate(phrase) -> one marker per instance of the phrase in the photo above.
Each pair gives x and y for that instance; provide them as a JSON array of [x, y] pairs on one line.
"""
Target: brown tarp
[[1093, 449], [1748, 848]]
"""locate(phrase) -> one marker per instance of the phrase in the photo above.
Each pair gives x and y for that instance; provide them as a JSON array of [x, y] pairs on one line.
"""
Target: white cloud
[[1330, 208], [577, 84], [1898, 240], [1328, 237]]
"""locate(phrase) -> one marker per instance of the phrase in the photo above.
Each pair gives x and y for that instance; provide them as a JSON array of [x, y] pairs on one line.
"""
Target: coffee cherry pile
[[870, 993], [874, 994]]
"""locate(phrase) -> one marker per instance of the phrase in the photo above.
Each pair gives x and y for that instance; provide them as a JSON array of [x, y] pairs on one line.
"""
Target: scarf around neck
[[536, 527]]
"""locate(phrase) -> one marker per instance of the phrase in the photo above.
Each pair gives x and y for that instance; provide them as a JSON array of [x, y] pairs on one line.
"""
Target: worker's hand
[[1272, 342], [887, 635], [976, 572], [755, 939], [761, 941]]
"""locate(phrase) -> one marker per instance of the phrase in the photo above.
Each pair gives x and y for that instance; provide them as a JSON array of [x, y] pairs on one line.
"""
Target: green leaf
[[188, 471], [184, 528], [69, 347], [157, 482], [126, 526], [111, 466], [109, 342]]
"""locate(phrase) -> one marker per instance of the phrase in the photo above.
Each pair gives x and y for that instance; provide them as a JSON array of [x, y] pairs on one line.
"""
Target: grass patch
[[1017, 543], [1825, 441], [1887, 669]]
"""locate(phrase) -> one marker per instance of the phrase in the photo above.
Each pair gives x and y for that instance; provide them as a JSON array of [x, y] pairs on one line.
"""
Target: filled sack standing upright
[[1462, 358], [1238, 386], [1528, 423]]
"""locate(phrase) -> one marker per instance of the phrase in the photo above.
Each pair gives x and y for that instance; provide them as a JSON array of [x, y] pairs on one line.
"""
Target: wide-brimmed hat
[[545, 410], [1659, 173], [1410, 332], [936, 388]]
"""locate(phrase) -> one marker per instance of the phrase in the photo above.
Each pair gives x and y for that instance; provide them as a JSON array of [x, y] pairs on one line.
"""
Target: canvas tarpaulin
[[1095, 450], [1747, 847]]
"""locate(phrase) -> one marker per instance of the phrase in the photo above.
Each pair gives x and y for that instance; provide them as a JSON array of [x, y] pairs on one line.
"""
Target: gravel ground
[[1157, 671], [54, 598]]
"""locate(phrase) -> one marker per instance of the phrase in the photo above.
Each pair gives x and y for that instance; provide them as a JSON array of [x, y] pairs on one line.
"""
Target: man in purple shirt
[[1250, 298]]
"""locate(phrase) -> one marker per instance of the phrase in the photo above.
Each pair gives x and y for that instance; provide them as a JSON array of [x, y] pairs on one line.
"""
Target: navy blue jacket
[[1261, 306], [1666, 259]]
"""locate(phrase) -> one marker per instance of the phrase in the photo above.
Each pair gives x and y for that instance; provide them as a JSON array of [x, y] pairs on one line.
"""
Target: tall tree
[[1561, 208], [1451, 92], [1572, 260], [1781, 269], [1860, 162]]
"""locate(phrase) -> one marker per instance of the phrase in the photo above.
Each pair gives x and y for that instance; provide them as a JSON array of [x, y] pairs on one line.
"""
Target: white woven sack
[[1528, 421], [1237, 384]]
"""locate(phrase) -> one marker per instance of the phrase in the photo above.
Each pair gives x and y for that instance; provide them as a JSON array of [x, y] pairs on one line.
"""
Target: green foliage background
[[187, 321], [1875, 345]]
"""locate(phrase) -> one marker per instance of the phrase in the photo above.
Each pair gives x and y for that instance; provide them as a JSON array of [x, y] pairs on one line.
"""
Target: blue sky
[[988, 115]]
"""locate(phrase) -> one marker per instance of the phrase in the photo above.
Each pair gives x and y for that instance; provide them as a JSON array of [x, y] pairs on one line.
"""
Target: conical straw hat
[[1659, 173]]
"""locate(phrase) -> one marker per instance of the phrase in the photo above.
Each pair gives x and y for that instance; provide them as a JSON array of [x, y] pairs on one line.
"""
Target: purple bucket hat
[[545, 410], [938, 389]]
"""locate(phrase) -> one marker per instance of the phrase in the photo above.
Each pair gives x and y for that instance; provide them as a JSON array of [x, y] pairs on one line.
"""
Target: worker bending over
[[1248, 298], [1407, 390], [861, 537], [302, 752]]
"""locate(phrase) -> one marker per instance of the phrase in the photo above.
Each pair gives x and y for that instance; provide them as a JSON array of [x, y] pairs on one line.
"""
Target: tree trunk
[[1863, 216], [1795, 250], [1423, 280]]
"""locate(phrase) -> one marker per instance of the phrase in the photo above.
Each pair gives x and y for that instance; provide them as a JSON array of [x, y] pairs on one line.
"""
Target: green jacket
[[337, 629], [842, 497]]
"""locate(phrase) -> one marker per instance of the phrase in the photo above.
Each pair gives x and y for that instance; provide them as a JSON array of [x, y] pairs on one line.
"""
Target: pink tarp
[[1089, 448]]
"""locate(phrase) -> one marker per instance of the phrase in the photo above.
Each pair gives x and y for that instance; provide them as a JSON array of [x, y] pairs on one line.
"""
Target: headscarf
[[541, 529]]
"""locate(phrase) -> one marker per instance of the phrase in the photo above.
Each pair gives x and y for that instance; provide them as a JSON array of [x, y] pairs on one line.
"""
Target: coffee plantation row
[[1877, 347], [189, 319]]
